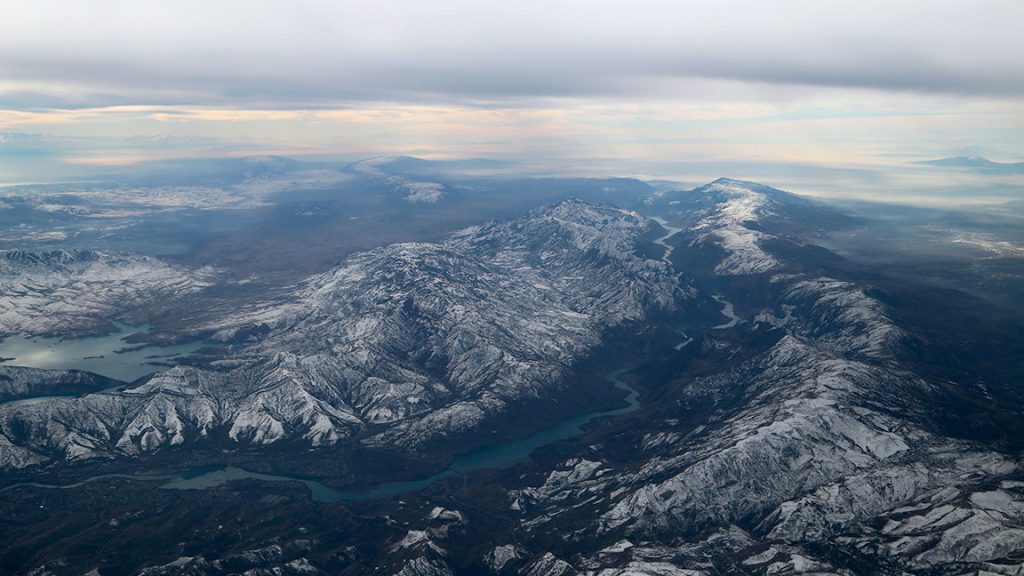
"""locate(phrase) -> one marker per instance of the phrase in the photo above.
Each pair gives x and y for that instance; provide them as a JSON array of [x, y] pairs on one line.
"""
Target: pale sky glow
[[646, 88]]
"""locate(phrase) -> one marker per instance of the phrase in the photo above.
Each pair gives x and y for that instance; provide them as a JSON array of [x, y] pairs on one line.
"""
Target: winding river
[[662, 241], [488, 457], [728, 311]]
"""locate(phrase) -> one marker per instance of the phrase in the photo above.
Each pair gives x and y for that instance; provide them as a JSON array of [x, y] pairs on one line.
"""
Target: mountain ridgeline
[[789, 422]]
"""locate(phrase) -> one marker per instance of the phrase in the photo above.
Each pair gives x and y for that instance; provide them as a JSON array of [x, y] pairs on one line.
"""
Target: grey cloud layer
[[71, 54]]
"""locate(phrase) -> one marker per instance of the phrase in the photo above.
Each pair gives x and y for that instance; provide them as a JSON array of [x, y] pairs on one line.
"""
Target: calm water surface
[[95, 354]]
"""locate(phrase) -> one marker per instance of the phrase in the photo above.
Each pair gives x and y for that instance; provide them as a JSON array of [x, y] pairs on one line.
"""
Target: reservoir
[[107, 355], [502, 455]]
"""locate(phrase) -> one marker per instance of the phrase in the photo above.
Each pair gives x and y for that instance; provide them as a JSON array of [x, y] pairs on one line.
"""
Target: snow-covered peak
[[737, 201], [578, 209], [741, 218], [732, 205]]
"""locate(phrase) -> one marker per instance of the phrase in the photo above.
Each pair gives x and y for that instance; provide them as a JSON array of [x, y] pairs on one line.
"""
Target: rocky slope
[[18, 383], [78, 292]]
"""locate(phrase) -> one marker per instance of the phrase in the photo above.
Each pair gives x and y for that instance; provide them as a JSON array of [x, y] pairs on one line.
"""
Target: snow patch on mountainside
[[70, 290], [727, 226]]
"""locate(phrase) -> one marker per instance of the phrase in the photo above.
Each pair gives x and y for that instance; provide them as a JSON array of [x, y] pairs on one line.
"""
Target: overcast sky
[[628, 86]]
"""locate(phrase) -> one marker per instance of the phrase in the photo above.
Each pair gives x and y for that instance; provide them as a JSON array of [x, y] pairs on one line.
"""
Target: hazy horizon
[[830, 100]]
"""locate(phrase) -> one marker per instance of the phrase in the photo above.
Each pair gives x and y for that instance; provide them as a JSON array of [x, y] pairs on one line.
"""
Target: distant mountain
[[220, 171], [411, 166], [730, 221], [977, 164]]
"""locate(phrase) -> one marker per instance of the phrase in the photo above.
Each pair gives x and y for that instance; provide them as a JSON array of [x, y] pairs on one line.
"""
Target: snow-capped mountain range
[[809, 448], [424, 340]]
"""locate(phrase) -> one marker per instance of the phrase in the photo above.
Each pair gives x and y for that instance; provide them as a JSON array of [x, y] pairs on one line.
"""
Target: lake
[[94, 354]]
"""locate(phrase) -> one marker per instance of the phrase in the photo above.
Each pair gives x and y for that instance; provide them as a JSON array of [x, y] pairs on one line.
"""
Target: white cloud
[[284, 54]]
